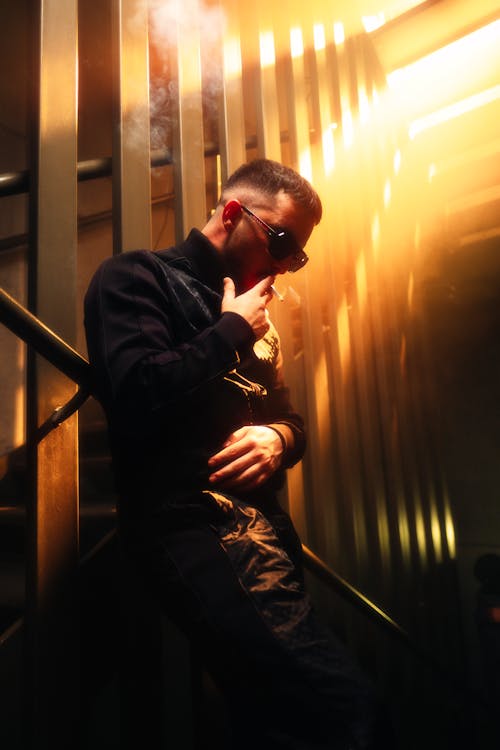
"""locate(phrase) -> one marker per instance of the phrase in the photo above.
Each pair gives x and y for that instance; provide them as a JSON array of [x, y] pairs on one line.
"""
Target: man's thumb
[[229, 290]]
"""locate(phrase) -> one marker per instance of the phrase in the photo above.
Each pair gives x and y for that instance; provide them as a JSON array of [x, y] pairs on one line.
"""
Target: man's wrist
[[280, 435], [283, 432]]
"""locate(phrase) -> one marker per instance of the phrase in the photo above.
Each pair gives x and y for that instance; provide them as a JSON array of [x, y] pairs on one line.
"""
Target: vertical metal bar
[[189, 154], [232, 146], [298, 125], [53, 507], [131, 147], [258, 23]]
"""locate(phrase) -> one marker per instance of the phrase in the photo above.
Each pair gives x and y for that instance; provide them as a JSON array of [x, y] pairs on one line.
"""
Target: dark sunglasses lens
[[298, 261], [281, 245]]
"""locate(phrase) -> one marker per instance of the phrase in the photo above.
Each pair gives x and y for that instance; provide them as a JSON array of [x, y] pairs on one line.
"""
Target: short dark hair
[[271, 177]]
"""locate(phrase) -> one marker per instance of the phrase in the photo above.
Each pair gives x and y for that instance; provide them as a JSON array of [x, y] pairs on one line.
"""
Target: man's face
[[246, 251]]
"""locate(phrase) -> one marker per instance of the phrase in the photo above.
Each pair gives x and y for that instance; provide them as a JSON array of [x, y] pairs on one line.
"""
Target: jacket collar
[[202, 258]]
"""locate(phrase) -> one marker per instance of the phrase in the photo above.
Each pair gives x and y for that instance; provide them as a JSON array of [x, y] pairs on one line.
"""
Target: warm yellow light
[[420, 529], [417, 236], [267, 53], [347, 127], [296, 42], [343, 335], [371, 23], [436, 532], [464, 48], [454, 110], [475, 237], [364, 105], [448, 75], [328, 150], [449, 527], [232, 58], [375, 235], [338, 33], [218, 164], [20, 399], [397, 161], [361, 281], [319, 36], [322, 400], [431, 173], [404, 531], [19, 420], [305, 164], [411, 287], [387, 193], [476, 199]]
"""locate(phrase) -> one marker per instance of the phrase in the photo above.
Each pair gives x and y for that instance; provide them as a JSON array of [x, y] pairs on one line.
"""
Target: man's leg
[[235, 591]]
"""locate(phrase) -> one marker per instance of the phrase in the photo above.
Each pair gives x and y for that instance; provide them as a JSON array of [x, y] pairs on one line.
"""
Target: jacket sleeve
[[132, 343]]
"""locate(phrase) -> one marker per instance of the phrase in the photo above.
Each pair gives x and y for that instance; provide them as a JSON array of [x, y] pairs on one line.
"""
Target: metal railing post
[[52, 517]]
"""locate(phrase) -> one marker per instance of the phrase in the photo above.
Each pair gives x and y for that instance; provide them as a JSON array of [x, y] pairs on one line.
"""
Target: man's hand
[[251, 305], [248, 458]]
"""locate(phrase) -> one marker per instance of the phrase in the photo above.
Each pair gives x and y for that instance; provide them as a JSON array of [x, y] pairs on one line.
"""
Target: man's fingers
[[230, 451], [264, 286]]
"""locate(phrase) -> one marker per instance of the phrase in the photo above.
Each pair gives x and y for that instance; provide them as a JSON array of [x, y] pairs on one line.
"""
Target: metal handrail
[[15, 183], [334, 581], [55, 350], [45, 341], [343, 588]]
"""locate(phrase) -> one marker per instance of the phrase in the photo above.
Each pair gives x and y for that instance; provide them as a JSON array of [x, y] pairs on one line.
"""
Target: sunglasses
[[282, 244]]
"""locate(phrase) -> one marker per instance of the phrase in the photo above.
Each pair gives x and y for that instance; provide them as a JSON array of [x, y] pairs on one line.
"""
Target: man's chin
[[248, 282]]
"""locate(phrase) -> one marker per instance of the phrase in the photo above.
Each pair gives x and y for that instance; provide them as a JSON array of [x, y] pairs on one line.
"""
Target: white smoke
[[168, 16], [169, 20]]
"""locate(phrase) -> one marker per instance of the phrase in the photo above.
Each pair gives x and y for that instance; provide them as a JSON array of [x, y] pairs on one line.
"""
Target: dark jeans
[[235, 587]]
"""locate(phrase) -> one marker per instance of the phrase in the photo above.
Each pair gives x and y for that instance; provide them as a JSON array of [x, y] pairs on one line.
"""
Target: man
[[188, 369]]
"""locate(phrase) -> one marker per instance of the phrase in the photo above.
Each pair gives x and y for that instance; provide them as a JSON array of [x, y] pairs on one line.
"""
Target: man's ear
[[231, 214]]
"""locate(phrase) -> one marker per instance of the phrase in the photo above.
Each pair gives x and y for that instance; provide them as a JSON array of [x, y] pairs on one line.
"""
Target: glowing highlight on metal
[[319, 36], [328, 150], [411, 288], [387, 193], [361, 281], [296, 42], [347, 127], [267, 51], [344, 338], [338, 33], [371, 23], [232, 58], [454, 110], [436, 532], [305, 164]]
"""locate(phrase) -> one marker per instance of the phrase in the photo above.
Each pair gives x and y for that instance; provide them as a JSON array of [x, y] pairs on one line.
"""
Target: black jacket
[[176, 377]]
